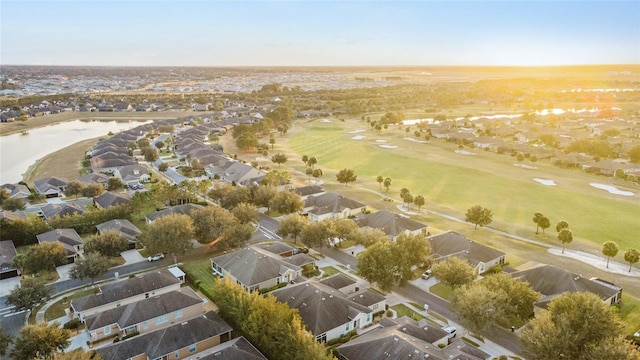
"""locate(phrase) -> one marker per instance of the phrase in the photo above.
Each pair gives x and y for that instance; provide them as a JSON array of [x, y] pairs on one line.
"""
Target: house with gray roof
[[340, 282], [7, 253], [326, 312], [17, 191], [255, 268], [51, 186], [98, 178], [50, 211], [235, 349], [11, 216], [311, 190], [180, 341], [125, 291], [110, 162], [184, 209], [331, 206], [242, 174], [146, 315], [553, 282], [68, 238], [451, 243], [109, 198], [280, 248], [391, 223], [407, 339], [124, 227], [133, 174]]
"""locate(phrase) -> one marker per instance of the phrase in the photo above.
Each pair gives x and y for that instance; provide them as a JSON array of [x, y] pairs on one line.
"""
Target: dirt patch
[[66, 162]]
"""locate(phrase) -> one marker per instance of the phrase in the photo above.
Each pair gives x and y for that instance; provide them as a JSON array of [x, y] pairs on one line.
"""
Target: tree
[[572, 323], [309, 172], [565, 236], [114, 184], [143, 143], [407, 199], [520, 296], [74, 187], [272, 141], [346, 176], [544, 223], [245, 213], [93, 190], [520, 157], [419, 201], [210, 223], [163, 166], [318, 233], [92, 266], [263, 194], [13, 204], [5, 340], [380, 180], [562, 225], [40, 341], [279, 158], [159, 144], [536, 219], [312, 162], [235, 196], [150, 154], [609, 249], [236, 235], [403, 192], [631, 256], [317, 173], [454, 272], [479, 307], [108, 243], [344, 229], [45, 256], [479, 216], [292, 226], [369, 236], [634, 154], [169, 234], [305, 158], [276, 178], [286, 202], [4, 195], [412, 251], [377, 264], [30, 293], [387, 183]]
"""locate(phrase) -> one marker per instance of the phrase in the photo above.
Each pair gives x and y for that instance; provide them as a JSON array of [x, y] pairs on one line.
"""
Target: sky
[[318, 33]]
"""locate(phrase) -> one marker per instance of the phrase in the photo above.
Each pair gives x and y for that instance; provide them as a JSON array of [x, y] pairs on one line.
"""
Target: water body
[[19, 151]]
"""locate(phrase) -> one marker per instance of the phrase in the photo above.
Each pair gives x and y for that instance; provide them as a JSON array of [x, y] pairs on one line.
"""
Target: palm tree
[[380, 180]]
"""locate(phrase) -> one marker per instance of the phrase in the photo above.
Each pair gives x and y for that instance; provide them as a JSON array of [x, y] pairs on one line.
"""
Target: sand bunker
[[356, 131], [357, 137], [546, 182], [385, 146], [325, 121], [525, 166], [611, 189], [462, 152], [415, 140], [381, 141]]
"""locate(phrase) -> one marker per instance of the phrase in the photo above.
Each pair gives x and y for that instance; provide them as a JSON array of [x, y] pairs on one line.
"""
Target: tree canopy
[[479, 216], [566, 237], [609, 249], [292, 226], [92, 266], [31, 292], [346, 176], [286, 202], [631, 256], [40, 341], [108, 243], [454, 272], [170, 234]]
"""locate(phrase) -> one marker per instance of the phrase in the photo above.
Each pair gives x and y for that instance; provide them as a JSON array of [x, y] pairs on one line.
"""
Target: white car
[[155, 257], [426, 275], [451, 330]]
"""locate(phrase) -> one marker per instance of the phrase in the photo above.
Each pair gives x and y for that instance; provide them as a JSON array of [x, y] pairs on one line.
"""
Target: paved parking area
[[132, 256]]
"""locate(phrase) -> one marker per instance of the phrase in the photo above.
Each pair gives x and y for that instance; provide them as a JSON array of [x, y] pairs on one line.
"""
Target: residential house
[[255, 268], [7, 253], [391, 223], [109, 162], [450, 243], [133, 174], [331, 206], [126, 291], [242, 174], [280, 248], [108, 198], [124, 227], [11, 216], [405, 338], [98, 178], [235, 349], [327, 313], [68, 238], [184, 209], [340, 282], [17, 191], [311, 190], [146, 315], [552, 282], [51, 186], [51, 211], [179, 341]]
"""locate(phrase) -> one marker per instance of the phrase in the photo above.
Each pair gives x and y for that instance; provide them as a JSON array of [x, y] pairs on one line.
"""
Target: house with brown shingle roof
[[451, 243]]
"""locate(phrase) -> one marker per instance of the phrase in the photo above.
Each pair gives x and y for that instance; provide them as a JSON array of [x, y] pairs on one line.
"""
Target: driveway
[[7, 285], [132, 257]]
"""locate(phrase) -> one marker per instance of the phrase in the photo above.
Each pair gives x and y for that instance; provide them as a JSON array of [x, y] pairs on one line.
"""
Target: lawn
[[57, 309], [442, 290], [403, 310], [328, 271], [630, 313], [200, 269], [452, 183]]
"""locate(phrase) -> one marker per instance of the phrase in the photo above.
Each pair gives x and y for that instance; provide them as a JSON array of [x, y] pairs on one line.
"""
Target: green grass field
[[451, 182]]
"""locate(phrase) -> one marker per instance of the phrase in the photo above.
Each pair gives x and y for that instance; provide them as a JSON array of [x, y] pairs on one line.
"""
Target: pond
[[19, 151]]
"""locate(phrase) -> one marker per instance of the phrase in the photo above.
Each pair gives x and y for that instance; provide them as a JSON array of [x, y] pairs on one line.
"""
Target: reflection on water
[[19, 151]]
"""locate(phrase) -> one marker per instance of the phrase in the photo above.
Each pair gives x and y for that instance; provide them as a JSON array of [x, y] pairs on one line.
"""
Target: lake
[[18, 151]]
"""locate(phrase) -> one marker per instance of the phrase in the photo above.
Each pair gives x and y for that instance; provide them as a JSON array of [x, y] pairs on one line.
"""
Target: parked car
[[426, 275], [155, 257], [302, 250], [451, 330]]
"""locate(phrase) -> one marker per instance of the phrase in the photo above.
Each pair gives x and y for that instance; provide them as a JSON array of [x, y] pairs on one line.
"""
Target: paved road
[[411, 292], [266, 230]]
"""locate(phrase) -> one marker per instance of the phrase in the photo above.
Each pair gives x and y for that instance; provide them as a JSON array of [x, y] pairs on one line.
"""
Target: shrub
[[72, 324]]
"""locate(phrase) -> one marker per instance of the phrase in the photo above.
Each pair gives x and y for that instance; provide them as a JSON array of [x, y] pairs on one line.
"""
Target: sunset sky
[[284, 33]]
